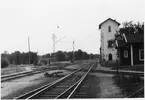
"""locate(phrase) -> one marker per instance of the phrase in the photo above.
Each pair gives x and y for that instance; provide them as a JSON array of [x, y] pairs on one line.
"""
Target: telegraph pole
[[55, 41], [29, 48], [53, 38], [73, 49]]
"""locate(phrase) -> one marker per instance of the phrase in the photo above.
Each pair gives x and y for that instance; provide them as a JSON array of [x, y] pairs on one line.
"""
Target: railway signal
[[54, 42]]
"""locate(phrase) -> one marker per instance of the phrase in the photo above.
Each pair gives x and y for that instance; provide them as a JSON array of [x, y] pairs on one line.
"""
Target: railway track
[[22, 74], [66, 87], [137, 93], [18, 75]]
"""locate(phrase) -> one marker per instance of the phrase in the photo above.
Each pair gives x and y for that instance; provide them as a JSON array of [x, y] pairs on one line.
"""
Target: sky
[[78, 21]]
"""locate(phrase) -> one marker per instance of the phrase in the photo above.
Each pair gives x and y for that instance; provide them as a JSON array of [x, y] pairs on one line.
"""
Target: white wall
[[107, 36]]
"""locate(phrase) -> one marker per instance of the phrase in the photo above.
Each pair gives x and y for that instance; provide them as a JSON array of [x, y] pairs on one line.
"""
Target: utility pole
[[53, 38], [55, 41], [73, 49], [29, 48]]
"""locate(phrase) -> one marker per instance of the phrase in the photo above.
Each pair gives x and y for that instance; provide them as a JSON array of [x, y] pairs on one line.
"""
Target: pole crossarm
[[59, 39]]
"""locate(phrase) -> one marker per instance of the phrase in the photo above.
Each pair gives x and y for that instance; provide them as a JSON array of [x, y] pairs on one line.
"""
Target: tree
[[60, 56], [130, 28], [17, 53], [86, 56], [6, 52], [46, 55], [20, 58], [79, 54], [69, 55], [4, 62]]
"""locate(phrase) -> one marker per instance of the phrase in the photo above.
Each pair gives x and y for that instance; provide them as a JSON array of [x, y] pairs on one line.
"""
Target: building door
[[110, 56], [125, 56]]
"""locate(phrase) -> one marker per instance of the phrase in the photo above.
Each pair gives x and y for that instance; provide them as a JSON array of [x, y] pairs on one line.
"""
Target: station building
[[131, 49]]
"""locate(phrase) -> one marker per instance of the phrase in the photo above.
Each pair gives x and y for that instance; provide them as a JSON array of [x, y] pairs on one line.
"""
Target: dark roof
[[131, 38], [121, 43], [107, 20], [134, 38]]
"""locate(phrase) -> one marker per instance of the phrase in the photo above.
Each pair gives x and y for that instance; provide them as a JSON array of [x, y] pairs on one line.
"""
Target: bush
[[44, 62], [4, 62]]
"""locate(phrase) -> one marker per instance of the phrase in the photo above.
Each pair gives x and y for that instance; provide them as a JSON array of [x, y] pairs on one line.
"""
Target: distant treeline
[[23, 58], [18, 58], [66, 56]]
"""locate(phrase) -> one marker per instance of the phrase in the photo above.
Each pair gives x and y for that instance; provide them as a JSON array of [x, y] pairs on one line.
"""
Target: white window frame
[[140, 55], [125, 53]]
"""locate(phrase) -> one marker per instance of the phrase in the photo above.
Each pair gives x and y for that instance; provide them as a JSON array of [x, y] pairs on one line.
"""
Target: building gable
[[108, 20]]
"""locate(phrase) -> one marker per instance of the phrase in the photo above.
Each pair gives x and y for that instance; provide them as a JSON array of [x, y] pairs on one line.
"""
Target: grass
[[133, 68], [109, 64], [13, 69], [113, 65]]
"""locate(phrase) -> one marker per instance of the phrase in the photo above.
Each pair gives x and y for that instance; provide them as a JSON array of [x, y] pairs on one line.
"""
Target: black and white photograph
[[72, 49]]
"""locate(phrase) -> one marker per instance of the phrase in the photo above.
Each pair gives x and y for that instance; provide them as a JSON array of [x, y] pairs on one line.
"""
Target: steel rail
[[80, 82], [71, 87], [18, 75], [14, 74], [67, 90], [21, 74], [55, 83], [135, 92], [34, 92], [24, 96], [9, 75]]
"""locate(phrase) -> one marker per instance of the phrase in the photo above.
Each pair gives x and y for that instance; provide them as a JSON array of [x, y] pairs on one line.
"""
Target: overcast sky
[[78, 21]]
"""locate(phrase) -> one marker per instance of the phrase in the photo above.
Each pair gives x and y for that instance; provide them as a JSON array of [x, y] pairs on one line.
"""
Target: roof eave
[[116, 43], [100, 26], [106, 20], [125, 37]]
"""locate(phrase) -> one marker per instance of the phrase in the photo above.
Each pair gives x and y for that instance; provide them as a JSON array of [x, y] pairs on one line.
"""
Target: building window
[[141, 55], [125, 54], [111, 43], [109, 28]]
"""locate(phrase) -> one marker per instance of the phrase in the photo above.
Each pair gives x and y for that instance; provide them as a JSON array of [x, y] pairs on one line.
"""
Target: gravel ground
[[73, 67], [103, 85], [22, 68], [17, 87], [14, 88], [100, 85]]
